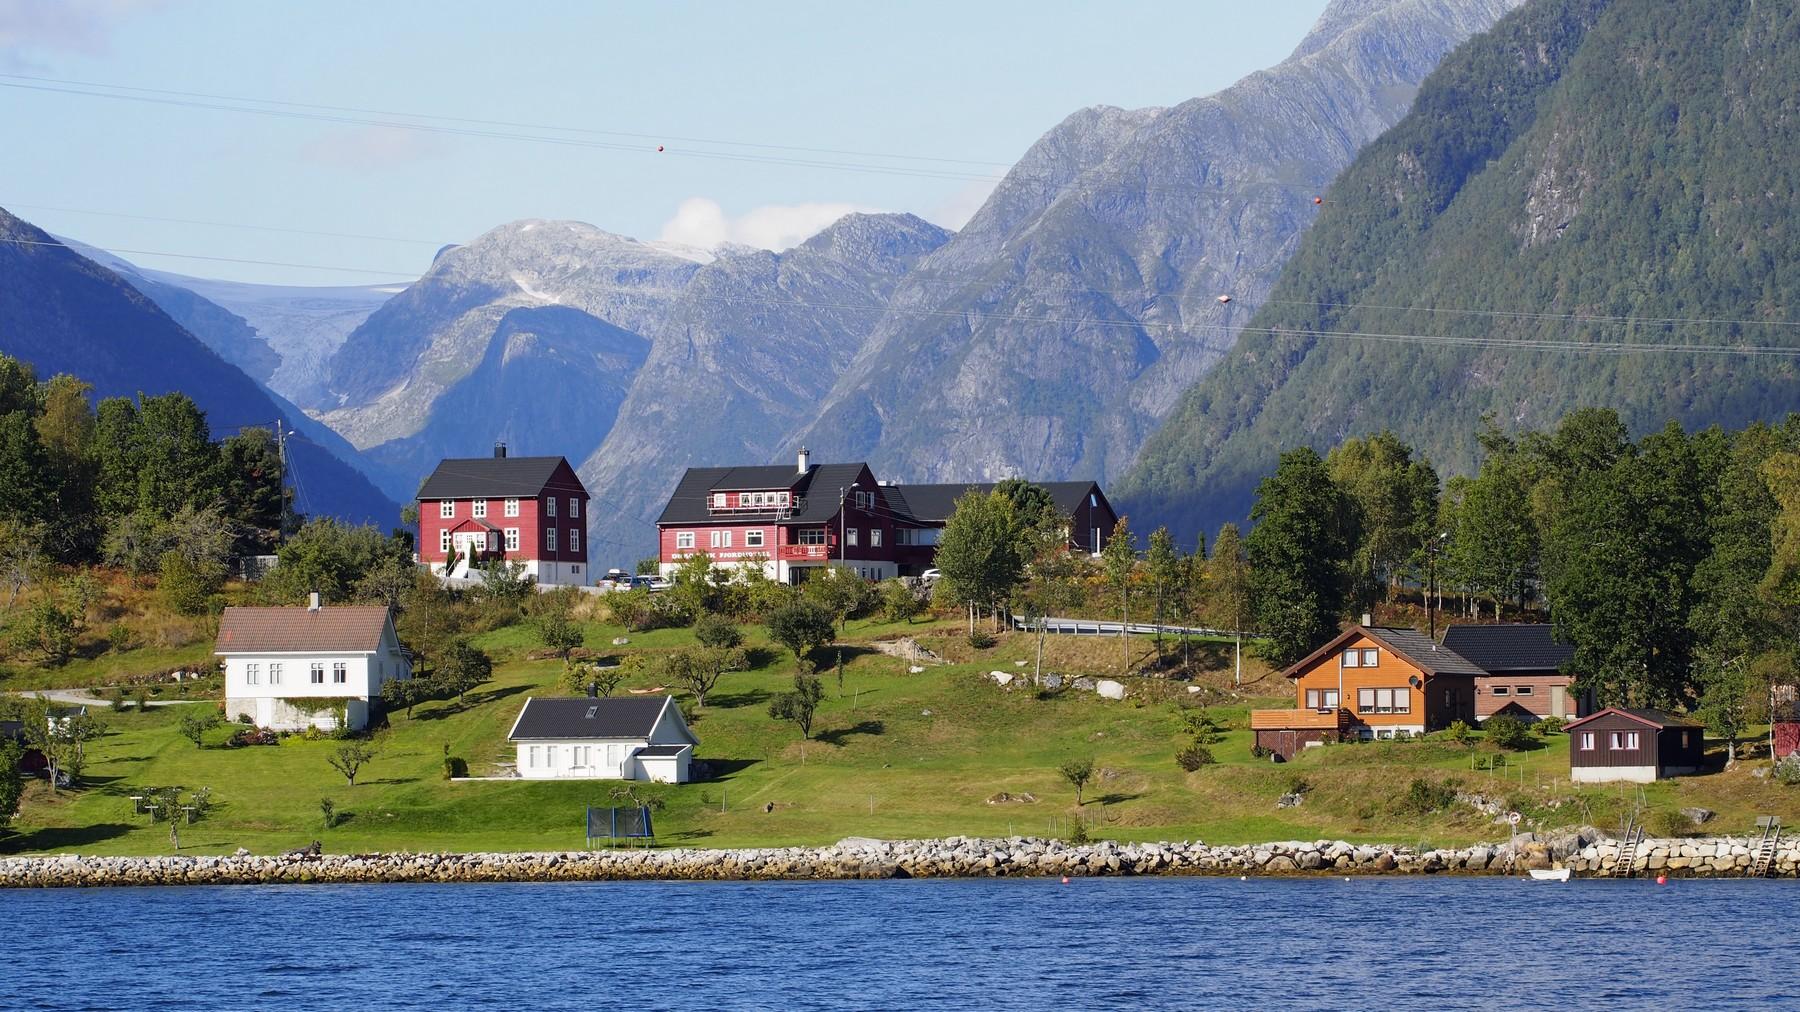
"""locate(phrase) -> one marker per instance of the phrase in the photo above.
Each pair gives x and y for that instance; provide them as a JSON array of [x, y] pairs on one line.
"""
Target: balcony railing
[[1300, 720], [802, 553], [782, 512]]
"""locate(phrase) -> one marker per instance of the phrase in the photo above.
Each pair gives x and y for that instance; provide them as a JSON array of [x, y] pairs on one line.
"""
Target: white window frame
[[550, 506], [684, 541], [512, 539], [718, 500], [1524, 690], [874, 537], [510, 508], [252, 673], [317, 673], [1500, 690], [444, 541], [447, 510], [1352, 658], [574, 539], [275, 673], [478, 509], [1371, 657], [814, 536], [549, 539], [851, 534], [1587, 741], [340, 673], [574, 507], [753, 538], [864, 500], [719, 539]]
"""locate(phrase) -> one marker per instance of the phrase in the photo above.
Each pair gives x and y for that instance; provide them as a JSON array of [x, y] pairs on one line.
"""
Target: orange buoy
[[1662, 880], [1316, 200]]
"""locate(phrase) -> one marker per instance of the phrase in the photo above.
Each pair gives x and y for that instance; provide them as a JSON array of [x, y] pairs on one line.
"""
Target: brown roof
[[1418, 649], [1653, 718], [301, 630]]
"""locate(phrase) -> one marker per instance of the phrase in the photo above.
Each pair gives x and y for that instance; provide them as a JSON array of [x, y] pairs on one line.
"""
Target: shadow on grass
[[1114, 799], [732, 700], [836, 736], [65, 838], [685, 836], [388, 780], [719, 769]]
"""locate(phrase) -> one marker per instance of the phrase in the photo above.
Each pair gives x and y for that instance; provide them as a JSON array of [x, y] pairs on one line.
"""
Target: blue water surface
[[1388, 943]]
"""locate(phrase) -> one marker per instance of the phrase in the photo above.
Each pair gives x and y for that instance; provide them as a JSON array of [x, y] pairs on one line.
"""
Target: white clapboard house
[[289, 669], [589, 737]]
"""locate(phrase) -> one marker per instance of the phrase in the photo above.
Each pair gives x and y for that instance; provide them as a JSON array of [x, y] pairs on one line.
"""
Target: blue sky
[[971, 82]]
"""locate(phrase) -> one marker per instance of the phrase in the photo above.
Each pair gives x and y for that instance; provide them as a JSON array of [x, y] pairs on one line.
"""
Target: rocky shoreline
[[1583, 851]]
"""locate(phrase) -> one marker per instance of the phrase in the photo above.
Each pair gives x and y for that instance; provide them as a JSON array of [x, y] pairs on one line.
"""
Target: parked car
[[660, 583], [930, 575]]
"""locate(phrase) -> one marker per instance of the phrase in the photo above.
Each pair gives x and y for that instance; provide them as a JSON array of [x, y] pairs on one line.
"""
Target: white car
[[930, 575]]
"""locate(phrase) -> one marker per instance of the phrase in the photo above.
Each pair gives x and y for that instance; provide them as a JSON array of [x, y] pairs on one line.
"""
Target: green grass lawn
[[893, 755]]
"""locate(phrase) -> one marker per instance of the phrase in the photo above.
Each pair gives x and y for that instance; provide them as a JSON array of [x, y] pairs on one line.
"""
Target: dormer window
[[718, 500]]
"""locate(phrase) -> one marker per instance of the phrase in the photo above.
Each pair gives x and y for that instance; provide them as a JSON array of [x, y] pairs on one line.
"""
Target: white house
[[587, 737], [293, 668]]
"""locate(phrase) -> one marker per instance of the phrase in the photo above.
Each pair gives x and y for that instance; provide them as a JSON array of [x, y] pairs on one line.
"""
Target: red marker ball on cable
[[1316, 200], [659, 147]]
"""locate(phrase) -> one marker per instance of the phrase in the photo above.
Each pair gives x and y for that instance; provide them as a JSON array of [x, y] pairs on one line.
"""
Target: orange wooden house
[[1370, 682]]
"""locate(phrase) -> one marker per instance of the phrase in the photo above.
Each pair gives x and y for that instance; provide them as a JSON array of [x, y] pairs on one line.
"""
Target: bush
[[981, 639], [1670, 823], [1193, 757], [1258, 752], [1787, 771], [1507, 731], [455, 766], [1459, 732], [899, 603], [1548, 726], [1423, 797], [717, 632]]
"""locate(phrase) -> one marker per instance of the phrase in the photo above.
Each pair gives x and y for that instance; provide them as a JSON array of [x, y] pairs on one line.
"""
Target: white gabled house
[[289, 669], [594, 738]]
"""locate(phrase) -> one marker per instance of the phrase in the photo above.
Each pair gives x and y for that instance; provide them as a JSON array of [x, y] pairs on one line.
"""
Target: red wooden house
[[793, 520], [478, 510]]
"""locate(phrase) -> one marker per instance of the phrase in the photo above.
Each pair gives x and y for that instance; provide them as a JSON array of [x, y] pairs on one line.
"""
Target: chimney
[[499, 450], [593, 690], [1368, 620], [312, 601], [805, 459]]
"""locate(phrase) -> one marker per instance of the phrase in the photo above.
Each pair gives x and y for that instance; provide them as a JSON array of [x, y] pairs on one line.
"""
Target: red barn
[[792, 520], [478, 510]]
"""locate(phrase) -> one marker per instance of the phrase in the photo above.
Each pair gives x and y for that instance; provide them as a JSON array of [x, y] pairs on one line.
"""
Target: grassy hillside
[[1581, 203], [894, 755]]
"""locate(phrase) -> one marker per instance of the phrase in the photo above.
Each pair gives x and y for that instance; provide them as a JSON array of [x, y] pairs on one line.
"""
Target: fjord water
[[1027, 944]]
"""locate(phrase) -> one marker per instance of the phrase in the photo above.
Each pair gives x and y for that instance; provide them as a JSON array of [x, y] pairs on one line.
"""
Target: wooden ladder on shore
[[1764, 859], [1625, 867]]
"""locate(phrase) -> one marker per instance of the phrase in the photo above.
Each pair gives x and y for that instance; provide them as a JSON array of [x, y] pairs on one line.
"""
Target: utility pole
[[1431, 553]]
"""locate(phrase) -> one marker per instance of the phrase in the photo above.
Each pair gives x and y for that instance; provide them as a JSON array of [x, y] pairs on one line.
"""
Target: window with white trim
[[684, 540], [1370, 658], [574, 507], [1384, 700], [549, 539], [1523, 690], [550, 506], [718, 500], [1587, 741], [874, 537], [444, 541], [1321, 699], [850, 536], [1352, 658], [318, 673], [810, 536], [865, 500], [575, 539], [252, 675], [478, 509], [510, 507], [339, 673], [753, 538], [1502, 690], [275, 673], [512, 539], [721, 539], [446, 509]]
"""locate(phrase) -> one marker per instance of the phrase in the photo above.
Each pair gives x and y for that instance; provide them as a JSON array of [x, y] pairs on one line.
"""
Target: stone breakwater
[[956, 857]]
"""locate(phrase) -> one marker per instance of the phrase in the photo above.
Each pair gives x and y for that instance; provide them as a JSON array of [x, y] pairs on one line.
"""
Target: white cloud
[[72, 26], [956, 211], [700, 221], [372, 147]]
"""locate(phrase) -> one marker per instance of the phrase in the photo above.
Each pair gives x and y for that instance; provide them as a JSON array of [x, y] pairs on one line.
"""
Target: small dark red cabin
[[1632, 744]]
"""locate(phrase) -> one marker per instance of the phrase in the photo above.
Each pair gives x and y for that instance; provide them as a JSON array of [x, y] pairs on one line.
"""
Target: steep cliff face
[[1592, 205], [392, 369], [62, 312], [742, 360], [1058, 328]]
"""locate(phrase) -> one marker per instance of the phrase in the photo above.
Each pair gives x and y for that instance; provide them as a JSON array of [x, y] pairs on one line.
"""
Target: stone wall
[[861, 858], [1711, 857]]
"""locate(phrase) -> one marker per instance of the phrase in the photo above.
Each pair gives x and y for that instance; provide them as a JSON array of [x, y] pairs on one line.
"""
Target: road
[[82, 697]]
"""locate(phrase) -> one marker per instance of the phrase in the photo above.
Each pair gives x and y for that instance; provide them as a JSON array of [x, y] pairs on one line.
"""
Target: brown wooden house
[[1522, 667], [1370, 682], [1635, 745]]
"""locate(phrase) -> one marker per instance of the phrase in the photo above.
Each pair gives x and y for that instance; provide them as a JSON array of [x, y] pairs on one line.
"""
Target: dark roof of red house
[[490, 477], [1518, 646], [1419, 650], [331, 629], [818, 487], [933, 504], [1653, 718]]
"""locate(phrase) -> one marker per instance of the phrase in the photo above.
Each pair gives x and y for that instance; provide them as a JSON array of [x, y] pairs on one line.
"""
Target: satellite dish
[[1413, 681]]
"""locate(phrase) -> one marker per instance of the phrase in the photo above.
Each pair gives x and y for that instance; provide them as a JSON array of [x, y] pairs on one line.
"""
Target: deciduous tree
[[1298, 553]]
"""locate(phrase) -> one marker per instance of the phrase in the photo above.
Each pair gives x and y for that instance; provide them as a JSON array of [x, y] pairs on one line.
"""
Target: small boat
[[1550, 874]]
